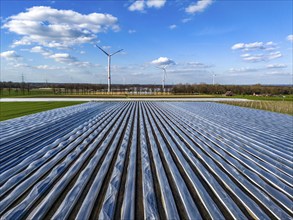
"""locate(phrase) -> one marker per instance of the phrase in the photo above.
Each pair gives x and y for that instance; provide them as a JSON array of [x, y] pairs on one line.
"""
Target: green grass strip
[[10, 110]]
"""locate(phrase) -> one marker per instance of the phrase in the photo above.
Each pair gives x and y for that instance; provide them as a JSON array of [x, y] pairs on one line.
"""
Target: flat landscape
[[146, 110], [17, 109], [147, 160]]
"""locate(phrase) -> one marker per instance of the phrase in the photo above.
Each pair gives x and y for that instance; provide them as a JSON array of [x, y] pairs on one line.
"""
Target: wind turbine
[[214, 79], [109, 65], [164, 76]]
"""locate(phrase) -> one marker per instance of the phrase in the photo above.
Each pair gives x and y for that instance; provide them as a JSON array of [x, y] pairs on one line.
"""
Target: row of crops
[[147, 160]]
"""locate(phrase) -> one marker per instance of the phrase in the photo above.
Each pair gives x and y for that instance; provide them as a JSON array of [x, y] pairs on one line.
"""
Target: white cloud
[[197, 65], [63, 58], [253, 58], [189, 69], [278, 73], [243, 70], [106, 47], [163, 61], [131, 31], [199, 6], [21, 65], [155, 3], [23, 41], [238, 46], [172, 27], [268, 50], [254, 46], [274, 55], [290, 37], [276, 66], [137, 6], [261, 57], [66, 58], [185, 20], [51, 27], [46, 67], [140, 5], [41, 50], [10, 55]]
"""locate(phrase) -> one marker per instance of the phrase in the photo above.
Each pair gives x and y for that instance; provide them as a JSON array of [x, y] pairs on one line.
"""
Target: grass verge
[[285, 107], [10, 110]]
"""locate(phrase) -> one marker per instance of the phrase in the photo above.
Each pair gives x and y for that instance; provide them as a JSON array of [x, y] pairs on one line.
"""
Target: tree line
[[236, 89], [83, 88]]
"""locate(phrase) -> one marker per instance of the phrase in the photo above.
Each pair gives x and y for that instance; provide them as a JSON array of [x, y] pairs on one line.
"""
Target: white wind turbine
[[109, 65], [164, 76], [214, 79]]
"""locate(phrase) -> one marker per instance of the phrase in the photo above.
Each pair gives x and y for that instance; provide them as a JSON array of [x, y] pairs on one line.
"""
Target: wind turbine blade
[[116, 52], [103, 50]]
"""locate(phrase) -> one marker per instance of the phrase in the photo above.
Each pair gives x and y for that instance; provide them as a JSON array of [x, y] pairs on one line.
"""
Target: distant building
[[229, 93]]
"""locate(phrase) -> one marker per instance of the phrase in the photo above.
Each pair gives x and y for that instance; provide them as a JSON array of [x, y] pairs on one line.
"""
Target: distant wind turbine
[[109, 65], [214, 78], [164, 76]]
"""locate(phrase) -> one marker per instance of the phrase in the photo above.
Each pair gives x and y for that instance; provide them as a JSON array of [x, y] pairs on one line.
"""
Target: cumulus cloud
[[63, 58], [137, 6], [140, 5], [13, 59], [51, 27], [254, 46], [198, 6], [163, 61], [276, 66], [23, 41], [155, 3], [41, 50], [257, 51], [290, 37], [172, 27], [10, 55]]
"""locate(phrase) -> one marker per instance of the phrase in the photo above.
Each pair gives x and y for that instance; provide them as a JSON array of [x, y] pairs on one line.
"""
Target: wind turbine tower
[[214, 79], [109, 65], [164, 76]]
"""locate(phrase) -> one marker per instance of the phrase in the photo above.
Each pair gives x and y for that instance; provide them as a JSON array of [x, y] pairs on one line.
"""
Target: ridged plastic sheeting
[[147, 160]]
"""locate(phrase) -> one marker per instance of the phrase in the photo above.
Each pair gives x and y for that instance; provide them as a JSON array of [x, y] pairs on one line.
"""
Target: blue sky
[[242, 42]]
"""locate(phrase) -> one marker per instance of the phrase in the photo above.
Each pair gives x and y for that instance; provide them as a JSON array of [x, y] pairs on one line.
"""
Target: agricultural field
[[285, 107], [147, 160], [10, 110]]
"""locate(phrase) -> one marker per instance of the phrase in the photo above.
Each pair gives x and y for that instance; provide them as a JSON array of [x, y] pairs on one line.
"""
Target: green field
[[10, 110], [285, 107], [266, 98]]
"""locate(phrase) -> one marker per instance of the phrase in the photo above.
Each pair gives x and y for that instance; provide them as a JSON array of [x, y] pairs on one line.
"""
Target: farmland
[[152, 160], [285, 107], [10, 110]]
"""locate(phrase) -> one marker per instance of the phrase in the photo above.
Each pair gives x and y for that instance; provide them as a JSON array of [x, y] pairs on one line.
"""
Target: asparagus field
[[147, 160]]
